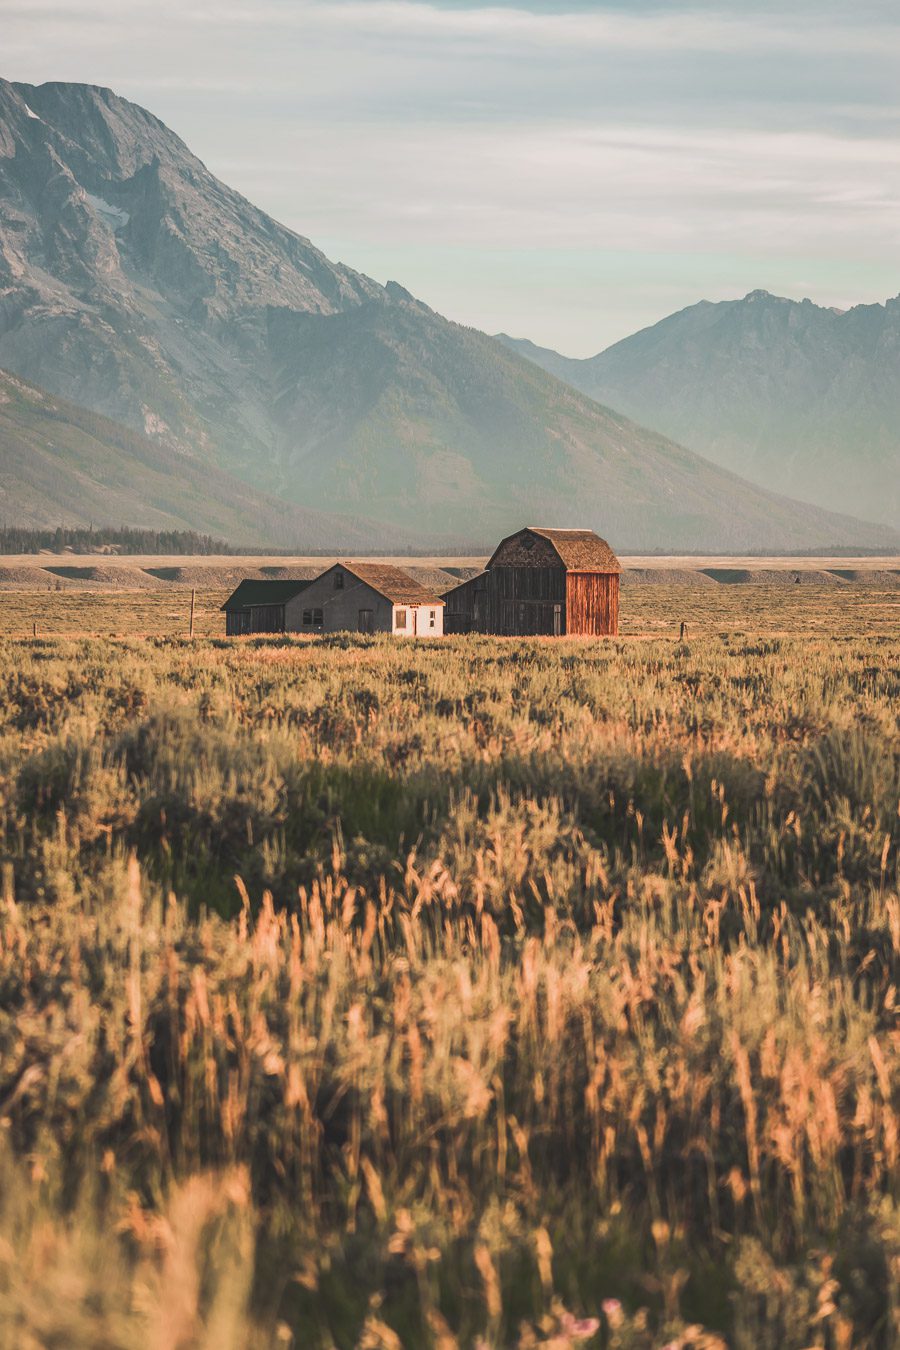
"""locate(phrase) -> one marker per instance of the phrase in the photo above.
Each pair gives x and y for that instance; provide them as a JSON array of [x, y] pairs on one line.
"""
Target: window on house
[[431, 618], [400, 620], [312, 617], [338, 581]]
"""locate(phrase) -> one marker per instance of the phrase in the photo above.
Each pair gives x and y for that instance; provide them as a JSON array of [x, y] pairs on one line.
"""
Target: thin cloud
[[658, 30], [674, 29], [626, 187]]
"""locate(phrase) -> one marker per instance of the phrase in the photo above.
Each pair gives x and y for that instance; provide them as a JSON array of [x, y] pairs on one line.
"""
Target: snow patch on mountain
[[113, 216]]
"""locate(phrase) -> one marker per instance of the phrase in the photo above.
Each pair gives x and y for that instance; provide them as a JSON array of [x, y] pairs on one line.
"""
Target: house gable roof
[[391, 582], [252, 592], [577, 550]]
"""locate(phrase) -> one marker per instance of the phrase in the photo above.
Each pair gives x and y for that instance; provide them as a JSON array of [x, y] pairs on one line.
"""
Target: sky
[[568, 172]]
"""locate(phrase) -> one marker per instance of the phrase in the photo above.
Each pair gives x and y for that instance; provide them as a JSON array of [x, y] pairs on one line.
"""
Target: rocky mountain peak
[[90, 158], [104, 134]]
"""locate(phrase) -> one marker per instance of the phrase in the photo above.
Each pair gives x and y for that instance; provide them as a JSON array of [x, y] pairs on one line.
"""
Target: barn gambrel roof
[[577, 550]]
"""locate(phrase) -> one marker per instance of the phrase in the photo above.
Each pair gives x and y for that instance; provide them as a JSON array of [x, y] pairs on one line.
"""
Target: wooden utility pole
[[193, 594]]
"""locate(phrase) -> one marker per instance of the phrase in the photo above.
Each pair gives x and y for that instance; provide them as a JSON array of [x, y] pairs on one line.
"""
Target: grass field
[[475, 992]]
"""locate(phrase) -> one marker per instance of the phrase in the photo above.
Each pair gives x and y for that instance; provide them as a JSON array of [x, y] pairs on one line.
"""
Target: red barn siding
[[592, 604]]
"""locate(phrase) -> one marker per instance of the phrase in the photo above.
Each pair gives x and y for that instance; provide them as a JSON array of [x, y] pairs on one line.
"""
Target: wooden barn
[[260, 606], [542, 582]]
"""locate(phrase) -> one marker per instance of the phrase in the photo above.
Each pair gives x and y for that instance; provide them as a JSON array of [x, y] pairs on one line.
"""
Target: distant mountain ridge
[[797, 397], [134, 284]]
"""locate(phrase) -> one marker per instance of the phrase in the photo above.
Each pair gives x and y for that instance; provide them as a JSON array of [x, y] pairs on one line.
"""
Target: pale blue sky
[[568, 172]]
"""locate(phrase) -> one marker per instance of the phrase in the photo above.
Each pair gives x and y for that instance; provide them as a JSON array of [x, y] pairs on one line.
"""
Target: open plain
[[467, 992], [115, 596]]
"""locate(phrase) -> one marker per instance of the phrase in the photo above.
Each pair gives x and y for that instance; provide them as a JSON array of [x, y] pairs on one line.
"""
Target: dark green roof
[[252, 592]]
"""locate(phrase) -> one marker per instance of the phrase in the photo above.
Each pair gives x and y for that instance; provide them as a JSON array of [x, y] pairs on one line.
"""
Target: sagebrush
[[473, 992]]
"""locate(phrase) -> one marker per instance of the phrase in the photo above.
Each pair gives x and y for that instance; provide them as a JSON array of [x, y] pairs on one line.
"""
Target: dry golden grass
[[475, 992], [112, 613]]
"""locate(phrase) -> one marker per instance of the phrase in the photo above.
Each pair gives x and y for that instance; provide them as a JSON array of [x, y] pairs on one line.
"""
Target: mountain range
[[796, 397], [250, 385]]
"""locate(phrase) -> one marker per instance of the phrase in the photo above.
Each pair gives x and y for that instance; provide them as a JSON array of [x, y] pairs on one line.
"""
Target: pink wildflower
[[612, 1311]]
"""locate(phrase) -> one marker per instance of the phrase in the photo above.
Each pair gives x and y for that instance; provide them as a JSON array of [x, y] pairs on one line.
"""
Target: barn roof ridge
[[391, 582]]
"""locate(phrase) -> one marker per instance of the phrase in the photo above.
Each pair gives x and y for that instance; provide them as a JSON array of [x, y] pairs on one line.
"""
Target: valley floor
[[868, 606], [475, 992]]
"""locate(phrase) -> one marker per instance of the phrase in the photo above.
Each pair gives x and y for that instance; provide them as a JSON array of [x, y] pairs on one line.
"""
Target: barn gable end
[[525, 549]]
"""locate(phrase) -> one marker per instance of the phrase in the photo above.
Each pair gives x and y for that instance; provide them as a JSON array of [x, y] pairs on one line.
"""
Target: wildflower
[[580, 1328], [613, 1312]]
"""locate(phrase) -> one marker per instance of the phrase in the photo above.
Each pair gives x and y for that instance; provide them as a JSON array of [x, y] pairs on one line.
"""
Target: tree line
[[124, 538]]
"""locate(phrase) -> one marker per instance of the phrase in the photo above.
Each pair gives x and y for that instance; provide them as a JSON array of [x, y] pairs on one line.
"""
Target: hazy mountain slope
[[63, 465], [562, 367], [388, 395], [799, 398], [137, 285]]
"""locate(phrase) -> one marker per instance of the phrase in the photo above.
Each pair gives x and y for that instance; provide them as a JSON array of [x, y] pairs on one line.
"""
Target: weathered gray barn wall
[[466, 606], [258, 606], [527, 588], [255, 619], [527, 600]]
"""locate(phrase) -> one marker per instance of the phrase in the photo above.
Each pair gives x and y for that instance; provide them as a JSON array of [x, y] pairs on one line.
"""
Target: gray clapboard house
[[367, 598], [350, 596]]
